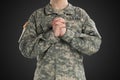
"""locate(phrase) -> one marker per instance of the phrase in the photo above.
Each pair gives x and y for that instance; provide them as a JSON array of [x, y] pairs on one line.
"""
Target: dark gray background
[[101, 66]]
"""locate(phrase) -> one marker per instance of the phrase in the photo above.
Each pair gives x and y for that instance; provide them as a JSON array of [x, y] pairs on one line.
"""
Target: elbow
[[26, 51], [94, 48], [26, 54], [92, 51]]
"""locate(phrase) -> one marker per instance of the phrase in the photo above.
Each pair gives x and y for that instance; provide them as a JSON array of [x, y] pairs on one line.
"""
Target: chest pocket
[[74, 22]]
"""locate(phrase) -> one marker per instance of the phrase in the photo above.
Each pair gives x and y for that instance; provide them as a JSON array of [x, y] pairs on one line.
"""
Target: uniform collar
[[68, 10]]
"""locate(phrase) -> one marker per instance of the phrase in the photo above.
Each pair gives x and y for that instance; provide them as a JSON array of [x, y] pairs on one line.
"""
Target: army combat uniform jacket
[[59, 58]]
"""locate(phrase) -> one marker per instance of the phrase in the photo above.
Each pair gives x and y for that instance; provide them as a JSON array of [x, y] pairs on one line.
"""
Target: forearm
[[86, 44], [31, 47], [81, 42]]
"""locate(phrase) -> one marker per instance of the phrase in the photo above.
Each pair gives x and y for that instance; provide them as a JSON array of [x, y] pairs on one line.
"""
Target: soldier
[[57, 36]]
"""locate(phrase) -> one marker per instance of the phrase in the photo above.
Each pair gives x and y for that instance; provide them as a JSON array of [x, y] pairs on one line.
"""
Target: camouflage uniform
[[59, 58]]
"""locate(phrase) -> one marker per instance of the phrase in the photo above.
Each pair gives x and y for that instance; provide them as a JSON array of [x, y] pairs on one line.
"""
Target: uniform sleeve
[[31, 44], [88, 41]]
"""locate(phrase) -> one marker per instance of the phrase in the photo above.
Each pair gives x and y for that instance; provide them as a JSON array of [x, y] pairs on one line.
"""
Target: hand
[[59, 26]]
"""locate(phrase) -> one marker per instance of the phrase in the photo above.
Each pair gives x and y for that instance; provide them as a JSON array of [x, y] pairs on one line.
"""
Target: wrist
[[68, 35]]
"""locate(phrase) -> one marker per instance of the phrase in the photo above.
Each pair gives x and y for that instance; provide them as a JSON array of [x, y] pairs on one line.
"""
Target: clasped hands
[[58, 26]]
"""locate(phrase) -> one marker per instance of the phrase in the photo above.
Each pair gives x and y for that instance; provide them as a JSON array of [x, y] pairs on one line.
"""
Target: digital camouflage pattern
[[59, 58]]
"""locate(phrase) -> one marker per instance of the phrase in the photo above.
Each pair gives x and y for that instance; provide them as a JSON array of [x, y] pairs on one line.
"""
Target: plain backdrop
[[101, 66]]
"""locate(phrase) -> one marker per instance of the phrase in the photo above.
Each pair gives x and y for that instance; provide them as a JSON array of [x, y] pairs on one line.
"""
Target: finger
[[58, 23], [57, 32], [57, 26], [56, 20], [63, 30]]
